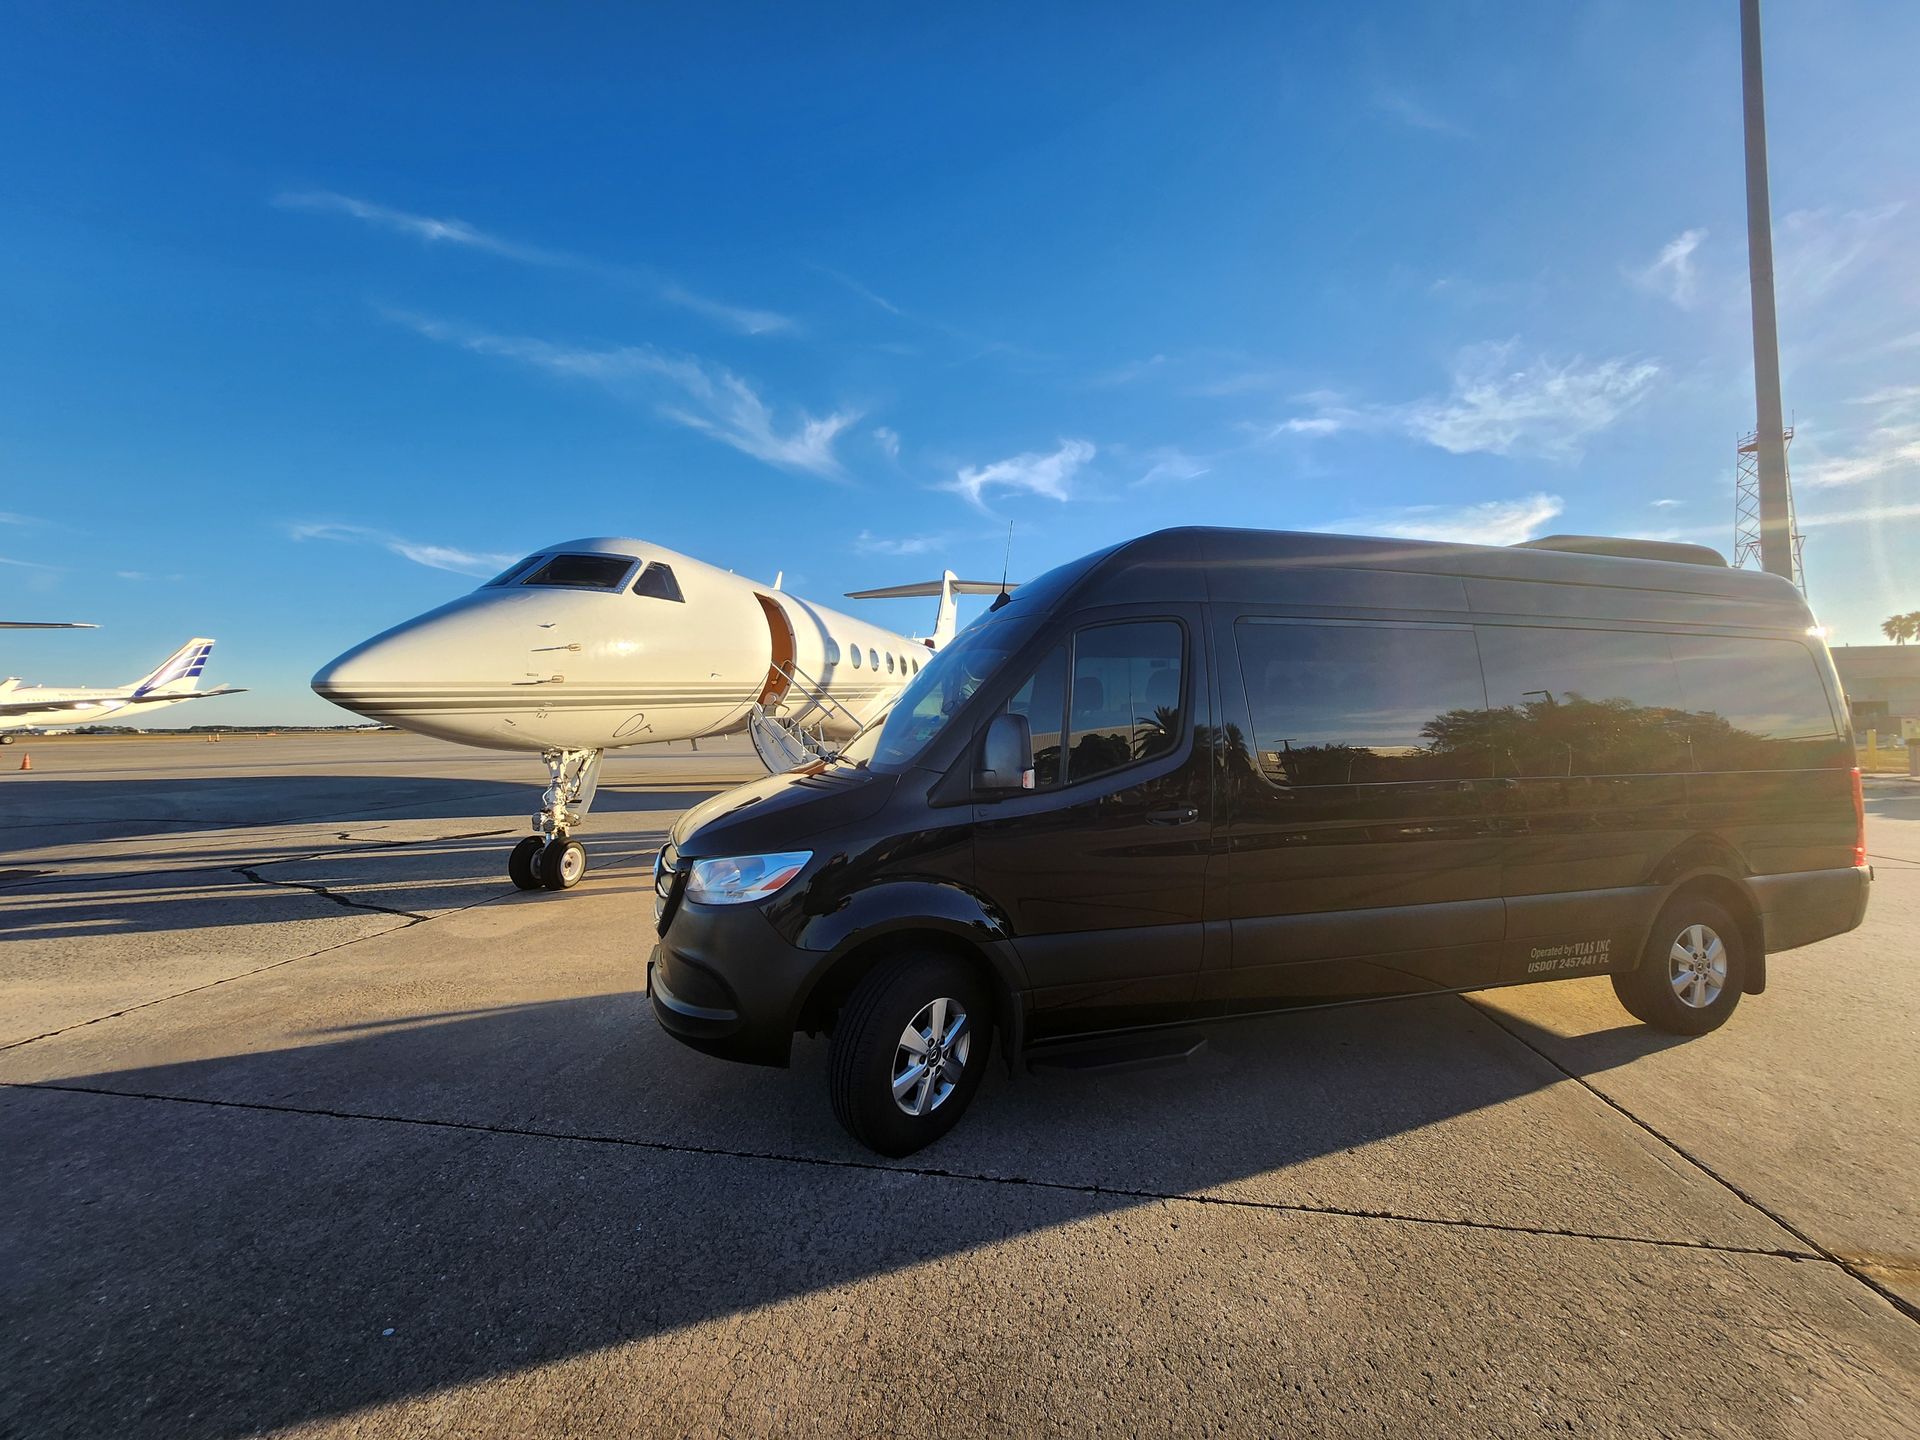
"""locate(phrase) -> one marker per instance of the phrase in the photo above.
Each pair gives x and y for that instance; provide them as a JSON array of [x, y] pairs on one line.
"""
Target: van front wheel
[[909, 1050], [1694, 968]]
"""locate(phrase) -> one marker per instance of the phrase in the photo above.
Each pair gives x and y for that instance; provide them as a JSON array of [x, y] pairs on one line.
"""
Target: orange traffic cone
[[26, 761]]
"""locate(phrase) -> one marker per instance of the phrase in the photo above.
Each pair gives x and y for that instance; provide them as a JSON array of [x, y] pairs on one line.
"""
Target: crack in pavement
[[1904, 1306], [314, 887], [1813, 1254]]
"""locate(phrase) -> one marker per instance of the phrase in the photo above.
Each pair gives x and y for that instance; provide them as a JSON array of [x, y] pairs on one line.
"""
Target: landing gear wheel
[[562, 863], [909, 1051], [523, 863], [1690, 977]]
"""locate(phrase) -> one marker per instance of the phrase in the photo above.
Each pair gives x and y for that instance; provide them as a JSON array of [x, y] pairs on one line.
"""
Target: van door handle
[[1180, 815]]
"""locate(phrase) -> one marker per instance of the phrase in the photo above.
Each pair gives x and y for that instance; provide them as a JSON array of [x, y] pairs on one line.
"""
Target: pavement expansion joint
[[1898, 1302], [1814, 1253], [407, 918]]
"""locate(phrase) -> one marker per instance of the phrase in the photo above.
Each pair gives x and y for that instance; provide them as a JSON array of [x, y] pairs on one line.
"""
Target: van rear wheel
[[909, 1051], [1692, 971]]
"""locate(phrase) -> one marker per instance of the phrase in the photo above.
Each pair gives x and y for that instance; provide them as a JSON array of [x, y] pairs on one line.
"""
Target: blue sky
[[312, 313]]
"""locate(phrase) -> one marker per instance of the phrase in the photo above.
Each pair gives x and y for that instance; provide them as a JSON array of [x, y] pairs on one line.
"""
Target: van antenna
[[1006, 566]]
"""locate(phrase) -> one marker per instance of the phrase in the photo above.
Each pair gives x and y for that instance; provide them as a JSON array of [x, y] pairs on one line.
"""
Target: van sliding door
[[1364, 857]]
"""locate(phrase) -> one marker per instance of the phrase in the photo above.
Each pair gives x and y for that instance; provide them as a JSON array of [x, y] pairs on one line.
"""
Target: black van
[[1221, 772]]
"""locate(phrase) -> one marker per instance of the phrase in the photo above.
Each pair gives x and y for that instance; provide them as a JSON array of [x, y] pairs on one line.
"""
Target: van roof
[[1296, 566]]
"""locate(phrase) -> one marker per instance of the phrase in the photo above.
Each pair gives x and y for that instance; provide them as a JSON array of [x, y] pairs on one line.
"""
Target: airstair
[[791, 731]]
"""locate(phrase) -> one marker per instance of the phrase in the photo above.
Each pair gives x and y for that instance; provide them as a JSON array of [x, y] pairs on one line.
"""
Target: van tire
[[868, 1051], [1694, 937]]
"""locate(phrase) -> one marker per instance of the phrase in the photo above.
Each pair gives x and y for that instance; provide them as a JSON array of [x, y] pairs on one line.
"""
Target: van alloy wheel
[[1697, 966], [1693, 969], [911, 1043], [931, 1056]]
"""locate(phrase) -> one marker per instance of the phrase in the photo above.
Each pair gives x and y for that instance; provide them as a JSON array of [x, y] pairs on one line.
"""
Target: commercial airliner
[[43, 707], [597, 644]]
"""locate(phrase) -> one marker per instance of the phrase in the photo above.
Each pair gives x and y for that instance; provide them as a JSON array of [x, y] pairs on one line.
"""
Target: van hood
[[780, 812]]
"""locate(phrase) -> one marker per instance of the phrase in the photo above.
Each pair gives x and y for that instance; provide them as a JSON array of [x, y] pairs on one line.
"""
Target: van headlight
[[738, 879]]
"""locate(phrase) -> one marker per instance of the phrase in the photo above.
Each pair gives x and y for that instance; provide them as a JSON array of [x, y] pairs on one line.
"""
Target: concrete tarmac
[[314, 1125]]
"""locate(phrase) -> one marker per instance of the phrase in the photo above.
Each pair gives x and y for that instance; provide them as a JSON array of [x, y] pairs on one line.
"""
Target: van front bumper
[[723, 981]]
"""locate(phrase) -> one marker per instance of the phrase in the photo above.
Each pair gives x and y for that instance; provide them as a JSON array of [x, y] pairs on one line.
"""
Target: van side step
[[1118, 1052]]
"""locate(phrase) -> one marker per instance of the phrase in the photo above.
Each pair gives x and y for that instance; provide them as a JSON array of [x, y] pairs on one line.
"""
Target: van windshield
[[944, 685]]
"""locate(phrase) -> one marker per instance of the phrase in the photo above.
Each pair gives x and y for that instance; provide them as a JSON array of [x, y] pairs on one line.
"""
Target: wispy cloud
[[1887, 450], [1489, 522], [1663, 504], [1499, 403], [1408, 110], [888, 439], [1867, 515], [1033, 473], [707, 398], [871, 297], [1540, 408], [1172, 465], [734, 317], [434, 557], [426, 228], [9, 517], [1672, 272], [867, 543], [436, 231], [1130, 373], [1816, 249]]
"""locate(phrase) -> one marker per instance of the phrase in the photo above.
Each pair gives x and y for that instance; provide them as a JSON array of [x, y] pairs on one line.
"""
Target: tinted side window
[[657, 581], [1355, 704], [1757, 704], [1043, 700], [1128, 696], [1581, 702]]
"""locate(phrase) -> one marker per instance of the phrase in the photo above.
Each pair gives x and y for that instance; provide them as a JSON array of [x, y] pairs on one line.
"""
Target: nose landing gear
[[550, 857]]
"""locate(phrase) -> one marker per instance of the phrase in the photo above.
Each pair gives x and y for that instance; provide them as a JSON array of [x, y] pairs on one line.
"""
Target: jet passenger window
[[1127, 696], [833, 651], [873, 657], [856, 657], [583, 572], [889, 664], [657, 581]]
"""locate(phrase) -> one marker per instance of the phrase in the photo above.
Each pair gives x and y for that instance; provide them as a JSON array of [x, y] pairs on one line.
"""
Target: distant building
[[1882, 684]]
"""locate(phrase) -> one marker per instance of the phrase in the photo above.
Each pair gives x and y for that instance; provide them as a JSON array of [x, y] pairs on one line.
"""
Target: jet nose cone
[[370, 676]]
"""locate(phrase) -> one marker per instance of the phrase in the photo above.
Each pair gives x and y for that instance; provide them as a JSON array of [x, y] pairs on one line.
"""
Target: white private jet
[[597, 644], [43, 707]]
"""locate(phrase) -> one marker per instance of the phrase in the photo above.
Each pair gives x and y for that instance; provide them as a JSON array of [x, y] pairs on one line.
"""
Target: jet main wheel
[[562, 863], [523, 863]]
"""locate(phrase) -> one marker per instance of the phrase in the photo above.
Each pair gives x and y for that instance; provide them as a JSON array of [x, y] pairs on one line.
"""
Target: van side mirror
[[1006, 759]]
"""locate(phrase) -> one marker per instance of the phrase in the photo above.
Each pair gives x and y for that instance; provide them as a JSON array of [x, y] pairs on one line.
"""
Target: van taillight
[[1859, 820]]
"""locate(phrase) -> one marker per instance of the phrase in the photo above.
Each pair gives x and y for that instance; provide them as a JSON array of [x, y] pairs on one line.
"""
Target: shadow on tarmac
[[225, 1267], [32, 816]]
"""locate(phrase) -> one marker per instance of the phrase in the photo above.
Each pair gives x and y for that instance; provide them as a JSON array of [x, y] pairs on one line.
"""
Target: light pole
[[1776, 524]]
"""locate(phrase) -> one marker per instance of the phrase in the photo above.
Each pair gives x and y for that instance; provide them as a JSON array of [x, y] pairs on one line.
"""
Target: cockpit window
[[657, 581], [513, 572], [586, 572]]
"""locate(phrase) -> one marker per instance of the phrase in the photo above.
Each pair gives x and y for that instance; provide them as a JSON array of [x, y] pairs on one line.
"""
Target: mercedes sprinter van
[[1217, 772]]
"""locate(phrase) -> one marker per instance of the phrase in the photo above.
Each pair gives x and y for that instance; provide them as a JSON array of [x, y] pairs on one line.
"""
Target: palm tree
[[1901, 628]]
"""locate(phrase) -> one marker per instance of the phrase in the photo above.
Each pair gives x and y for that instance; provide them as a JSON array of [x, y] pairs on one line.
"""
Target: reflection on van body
[[1212, 772]]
